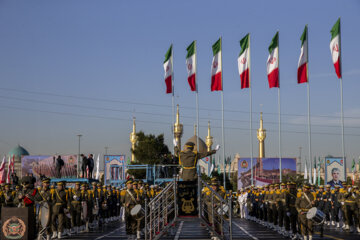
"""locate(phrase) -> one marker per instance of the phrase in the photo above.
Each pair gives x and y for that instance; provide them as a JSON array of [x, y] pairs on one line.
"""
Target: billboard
[[45, 165], [114, 168], [265, 170], [335, 171]]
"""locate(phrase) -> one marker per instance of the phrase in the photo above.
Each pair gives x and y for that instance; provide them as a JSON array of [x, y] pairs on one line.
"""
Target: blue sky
[[87, 67]]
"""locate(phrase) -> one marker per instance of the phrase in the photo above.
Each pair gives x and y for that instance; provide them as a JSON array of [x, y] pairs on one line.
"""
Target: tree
[[149, 149]]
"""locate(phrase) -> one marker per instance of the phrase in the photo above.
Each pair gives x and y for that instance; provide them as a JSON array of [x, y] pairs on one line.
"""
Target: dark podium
[[187, 198], [18, 223]]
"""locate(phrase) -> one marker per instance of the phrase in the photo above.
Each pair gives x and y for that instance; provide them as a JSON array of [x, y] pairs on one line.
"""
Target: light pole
[[78, 160]]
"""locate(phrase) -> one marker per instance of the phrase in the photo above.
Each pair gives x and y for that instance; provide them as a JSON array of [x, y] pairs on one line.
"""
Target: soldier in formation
[[284, 209]]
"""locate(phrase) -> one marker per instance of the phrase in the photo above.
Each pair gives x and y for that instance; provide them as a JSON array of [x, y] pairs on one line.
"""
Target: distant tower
[[261, 135], [178, 128], [209, 139], [133, 140]]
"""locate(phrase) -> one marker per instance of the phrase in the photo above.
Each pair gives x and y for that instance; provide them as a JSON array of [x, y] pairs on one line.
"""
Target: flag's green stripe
[[274, 42], [216, 47], [190, 50], [304, 36], [244, 43], [335, 29], [168, 54]]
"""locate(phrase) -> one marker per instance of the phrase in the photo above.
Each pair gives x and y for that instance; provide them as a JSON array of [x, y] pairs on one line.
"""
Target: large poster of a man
[[335, 171]]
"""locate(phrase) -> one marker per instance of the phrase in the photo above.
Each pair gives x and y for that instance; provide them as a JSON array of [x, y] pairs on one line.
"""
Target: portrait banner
[[335, 173]]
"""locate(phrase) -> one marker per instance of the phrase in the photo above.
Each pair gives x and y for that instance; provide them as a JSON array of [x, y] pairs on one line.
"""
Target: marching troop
[[295, 212], [65, 209]]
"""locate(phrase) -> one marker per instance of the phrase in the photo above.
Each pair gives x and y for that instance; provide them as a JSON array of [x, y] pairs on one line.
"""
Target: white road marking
[[109, 233], [179, 231], [246, 232]]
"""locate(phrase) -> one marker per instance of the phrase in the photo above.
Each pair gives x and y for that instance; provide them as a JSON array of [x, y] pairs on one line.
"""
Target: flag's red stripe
[[302, 73], [273, 78], [216, 84], [245, 79], [168, 83], [338, 68], [192, 82]]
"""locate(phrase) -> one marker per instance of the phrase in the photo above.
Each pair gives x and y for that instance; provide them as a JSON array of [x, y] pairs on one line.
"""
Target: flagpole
[[279, 106], [197, 103], [251, 140], [308, 94], [172, 98], [222, 114], [341, 96]]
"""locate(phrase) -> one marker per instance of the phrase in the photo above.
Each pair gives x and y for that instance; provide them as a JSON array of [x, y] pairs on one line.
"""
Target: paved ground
[[190, 228]]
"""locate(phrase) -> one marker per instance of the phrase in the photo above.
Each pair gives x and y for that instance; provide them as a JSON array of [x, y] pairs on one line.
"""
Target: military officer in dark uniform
[[188, 160], [291, 213], [336, 206]]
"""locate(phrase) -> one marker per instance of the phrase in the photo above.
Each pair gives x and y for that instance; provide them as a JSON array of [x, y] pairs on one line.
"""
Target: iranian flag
[[335, 47], [216, 67], [168, 68], [244, 62], [191, 65], [302, 72], [273, 62], [2, 171]]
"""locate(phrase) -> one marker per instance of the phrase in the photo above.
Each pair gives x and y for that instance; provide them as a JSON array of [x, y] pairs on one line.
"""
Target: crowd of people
[[78, 207], [284, 207]]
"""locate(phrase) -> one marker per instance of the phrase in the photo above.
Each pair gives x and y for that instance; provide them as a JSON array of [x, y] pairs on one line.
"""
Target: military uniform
[[212, 205], [130, 201], [45, 195], [303, 204], [281, 198], [188, 160], [336, 206], [8, 197], [291, 212], [351, 212], [75, 209], [59, 203]]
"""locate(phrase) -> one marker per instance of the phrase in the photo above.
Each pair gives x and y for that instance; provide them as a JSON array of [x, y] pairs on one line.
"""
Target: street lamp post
[[78, 160]]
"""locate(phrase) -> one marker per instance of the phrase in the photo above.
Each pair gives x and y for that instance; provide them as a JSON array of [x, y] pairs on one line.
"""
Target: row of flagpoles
[[273, 74]]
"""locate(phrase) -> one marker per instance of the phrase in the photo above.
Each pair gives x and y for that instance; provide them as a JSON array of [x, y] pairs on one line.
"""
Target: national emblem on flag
[[302, 72], [168, 68], [191, 65], [244, 62], [335, 47], [216, 67], [273, 62]]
